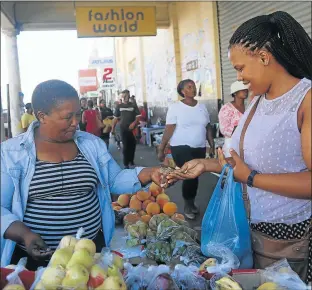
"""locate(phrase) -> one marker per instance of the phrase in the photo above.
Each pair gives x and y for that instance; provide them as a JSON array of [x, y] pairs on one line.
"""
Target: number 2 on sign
[[107, 72]]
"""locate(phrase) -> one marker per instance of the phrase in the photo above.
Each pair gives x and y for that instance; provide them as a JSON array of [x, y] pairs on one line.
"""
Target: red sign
[[87, 80]]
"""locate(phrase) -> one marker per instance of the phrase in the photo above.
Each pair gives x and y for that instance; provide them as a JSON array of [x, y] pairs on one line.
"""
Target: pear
[[86, 244], [118, 262], [268, 286], [113, 271], [52, 277], [113, 283], [39, 286], [14, 287], [77, 277], [61, 257], [81, 257], [68, 241], [208, 263]]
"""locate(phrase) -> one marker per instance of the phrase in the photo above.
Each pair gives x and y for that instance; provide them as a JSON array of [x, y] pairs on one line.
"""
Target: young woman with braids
[[187, 128], [272, 54]]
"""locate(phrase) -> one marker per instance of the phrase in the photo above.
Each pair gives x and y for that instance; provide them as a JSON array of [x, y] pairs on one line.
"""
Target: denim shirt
[[18, 160]]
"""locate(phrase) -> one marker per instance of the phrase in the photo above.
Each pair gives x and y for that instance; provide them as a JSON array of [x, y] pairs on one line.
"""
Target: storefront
[[232, 14]]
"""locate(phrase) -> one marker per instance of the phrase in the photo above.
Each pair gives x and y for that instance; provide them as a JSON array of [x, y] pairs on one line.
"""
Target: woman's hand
[[160, 176], [189, 170], [36, 247], [241, 169]]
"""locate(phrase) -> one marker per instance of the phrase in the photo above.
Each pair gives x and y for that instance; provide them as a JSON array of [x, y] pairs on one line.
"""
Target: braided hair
[[181, 86], [282, 36]]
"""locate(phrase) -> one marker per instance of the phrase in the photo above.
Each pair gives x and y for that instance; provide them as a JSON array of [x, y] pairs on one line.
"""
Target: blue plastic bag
[[225, 221]]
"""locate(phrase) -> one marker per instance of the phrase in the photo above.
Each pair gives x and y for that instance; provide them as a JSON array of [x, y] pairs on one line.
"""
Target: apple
[[97, 276], [61, 257], [68, 241], [76, 276], [52, 277], [81, 257], [14, 287], [113, 283], [86, 244]]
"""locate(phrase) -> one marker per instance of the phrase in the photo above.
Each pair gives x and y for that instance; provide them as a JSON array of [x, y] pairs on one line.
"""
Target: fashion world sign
[[115, 21]]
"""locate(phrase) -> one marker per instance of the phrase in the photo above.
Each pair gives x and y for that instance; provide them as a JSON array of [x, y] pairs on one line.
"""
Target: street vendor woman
[[55, 179], [272, 54]]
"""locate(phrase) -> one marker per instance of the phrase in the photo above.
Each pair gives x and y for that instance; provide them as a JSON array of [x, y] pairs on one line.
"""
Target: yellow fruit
[[268, 286], [170, 208], [87, 244], [82, 257], [61, 257], [123, 200], [153, 208], [143, 195]]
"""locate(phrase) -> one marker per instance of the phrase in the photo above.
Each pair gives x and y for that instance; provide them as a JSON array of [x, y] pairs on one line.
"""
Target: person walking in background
[[106, 117], [231, 113], [27, 118], [83, 107], [187, 129], [116, 128], [272, 54], [128, 113], [92, 119]]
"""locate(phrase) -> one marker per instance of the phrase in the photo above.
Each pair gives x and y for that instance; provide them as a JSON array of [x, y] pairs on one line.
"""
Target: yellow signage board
[[116, 21]]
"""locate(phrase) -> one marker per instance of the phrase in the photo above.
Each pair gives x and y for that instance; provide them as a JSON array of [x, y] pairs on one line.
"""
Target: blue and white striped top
[[62, 198]]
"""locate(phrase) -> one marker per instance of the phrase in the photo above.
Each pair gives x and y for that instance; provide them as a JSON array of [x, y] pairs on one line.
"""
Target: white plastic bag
[[281, 273], [226, 260], [136, 277], [187, 278], [161, 279], [14, 281]]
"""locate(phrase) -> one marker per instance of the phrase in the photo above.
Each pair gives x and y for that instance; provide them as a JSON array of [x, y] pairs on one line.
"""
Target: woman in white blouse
[[187, 128], [231, 113]]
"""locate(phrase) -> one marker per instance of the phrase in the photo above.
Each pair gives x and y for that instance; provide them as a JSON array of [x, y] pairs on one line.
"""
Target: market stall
[[153, 248]]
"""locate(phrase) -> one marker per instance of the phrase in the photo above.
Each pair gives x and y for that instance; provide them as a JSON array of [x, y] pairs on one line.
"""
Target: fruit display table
[[153, 130]]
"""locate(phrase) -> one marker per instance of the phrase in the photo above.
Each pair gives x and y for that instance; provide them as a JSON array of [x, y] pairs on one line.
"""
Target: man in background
[[83, 107], [106, 117], [27, 118], [129, 114]]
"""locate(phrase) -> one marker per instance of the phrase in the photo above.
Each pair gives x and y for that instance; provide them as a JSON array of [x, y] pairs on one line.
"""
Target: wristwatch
[[251, 178]]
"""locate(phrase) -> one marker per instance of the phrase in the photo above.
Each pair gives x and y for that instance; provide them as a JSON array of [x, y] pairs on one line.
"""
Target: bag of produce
[[187, 278], [14, 281], [281, 276], [166, 229], [131, 219], [70, 264], [225, 220], [150, 236], [120, 214], [193, 256], [136, 278], [161, 280], [159, 251], [156, 220], [222, 259], [179, 241]]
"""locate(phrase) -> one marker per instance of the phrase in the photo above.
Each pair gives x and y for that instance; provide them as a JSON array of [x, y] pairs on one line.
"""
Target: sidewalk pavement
[[146, 156]]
